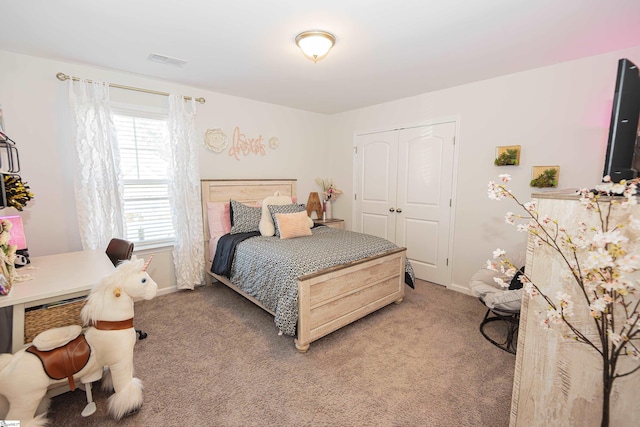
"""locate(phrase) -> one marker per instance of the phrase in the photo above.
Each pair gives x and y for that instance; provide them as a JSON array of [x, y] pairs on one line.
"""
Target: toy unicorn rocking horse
[[109, 333]]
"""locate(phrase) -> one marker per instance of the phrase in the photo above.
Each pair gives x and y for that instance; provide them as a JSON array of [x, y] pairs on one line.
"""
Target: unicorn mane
[[96, 298]]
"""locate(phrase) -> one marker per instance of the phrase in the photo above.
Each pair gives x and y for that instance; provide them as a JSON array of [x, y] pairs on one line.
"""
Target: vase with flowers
[[17, 192], [329, 194], [7, 258], [601, 264]]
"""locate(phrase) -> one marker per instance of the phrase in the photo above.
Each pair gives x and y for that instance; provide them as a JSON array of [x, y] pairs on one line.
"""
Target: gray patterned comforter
[[267, 268]]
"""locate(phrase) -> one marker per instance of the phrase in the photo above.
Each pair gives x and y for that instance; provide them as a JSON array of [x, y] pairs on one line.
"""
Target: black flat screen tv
[[623, 152]]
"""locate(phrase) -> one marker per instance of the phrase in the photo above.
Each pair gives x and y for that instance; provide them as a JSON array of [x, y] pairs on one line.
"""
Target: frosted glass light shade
[[315, 45]]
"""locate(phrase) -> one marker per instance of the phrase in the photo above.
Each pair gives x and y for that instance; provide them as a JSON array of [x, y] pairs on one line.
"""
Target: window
[[147, 214]]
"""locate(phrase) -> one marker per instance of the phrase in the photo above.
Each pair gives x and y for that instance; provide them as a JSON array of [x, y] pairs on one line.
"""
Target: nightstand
[[333, 223]]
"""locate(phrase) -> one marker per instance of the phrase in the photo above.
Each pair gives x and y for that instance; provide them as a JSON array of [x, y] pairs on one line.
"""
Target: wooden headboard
[[245, 191]]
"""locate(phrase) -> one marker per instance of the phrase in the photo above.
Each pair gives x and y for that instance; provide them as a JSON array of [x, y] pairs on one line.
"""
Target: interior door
[[376, 172], [403, 184], [423, 207]]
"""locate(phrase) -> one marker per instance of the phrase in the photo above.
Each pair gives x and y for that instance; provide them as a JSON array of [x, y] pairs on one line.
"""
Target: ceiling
[[385, 49]]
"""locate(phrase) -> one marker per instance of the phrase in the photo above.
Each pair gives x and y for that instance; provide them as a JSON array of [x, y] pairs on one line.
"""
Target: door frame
[[454, 182]]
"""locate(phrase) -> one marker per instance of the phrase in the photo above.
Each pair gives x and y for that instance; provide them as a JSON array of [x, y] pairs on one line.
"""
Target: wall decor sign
[[216, 140], [241, 144]]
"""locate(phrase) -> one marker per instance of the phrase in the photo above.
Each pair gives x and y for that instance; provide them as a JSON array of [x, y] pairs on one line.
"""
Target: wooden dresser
[[558, 381]]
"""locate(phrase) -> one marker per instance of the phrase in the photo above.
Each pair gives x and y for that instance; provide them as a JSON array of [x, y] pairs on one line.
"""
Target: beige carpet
[[213, 358]]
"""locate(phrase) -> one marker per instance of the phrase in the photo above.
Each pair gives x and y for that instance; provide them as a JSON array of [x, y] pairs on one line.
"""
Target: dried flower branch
[[329, 191]]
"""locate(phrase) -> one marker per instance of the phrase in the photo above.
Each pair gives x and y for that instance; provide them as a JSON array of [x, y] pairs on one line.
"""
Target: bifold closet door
[[376, 184], [425, 176], [403, 183]]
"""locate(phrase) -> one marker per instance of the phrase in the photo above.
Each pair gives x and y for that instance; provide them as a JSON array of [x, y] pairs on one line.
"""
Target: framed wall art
[[507, 155], [545, 176]]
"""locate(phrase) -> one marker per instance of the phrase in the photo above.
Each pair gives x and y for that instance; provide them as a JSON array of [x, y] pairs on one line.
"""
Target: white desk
[[55, 278]]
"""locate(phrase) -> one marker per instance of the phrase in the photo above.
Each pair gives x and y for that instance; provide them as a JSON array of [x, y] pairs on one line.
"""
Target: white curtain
[[98, 186], [184, 193]]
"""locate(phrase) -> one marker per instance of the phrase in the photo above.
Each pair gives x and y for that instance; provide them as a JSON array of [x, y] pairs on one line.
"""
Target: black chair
[[510, 319], [501, 321], [121, 250]]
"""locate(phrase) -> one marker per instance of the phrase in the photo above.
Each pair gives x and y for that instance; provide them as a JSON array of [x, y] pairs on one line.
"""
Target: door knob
[[399, 210], [391, 210]]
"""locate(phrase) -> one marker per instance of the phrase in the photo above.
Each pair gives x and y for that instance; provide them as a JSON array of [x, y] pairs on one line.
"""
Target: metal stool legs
[[511, 319]]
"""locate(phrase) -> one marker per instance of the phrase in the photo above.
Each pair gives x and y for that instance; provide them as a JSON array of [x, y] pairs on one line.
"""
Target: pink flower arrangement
[[329, 191]]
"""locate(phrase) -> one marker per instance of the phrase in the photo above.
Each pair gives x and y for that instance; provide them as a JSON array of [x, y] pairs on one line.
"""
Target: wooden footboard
[[332, 298], [335, 297]]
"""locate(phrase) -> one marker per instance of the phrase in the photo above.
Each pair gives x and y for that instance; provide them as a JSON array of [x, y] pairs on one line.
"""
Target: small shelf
[[9, 164]]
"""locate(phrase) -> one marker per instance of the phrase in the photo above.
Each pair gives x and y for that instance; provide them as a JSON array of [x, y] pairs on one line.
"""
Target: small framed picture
[[545, 176], [508, 155]]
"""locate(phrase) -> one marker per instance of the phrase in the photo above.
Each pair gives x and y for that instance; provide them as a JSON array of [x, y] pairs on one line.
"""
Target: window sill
[[147, 248]]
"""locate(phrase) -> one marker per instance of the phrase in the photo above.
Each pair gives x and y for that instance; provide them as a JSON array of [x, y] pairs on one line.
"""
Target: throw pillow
[[515, 282], [286, 209], [292, 225], [219, 217], [267, 226], [244, 218]]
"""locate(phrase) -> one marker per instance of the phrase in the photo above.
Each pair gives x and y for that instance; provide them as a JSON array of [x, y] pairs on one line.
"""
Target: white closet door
[[423, 207], [403, 184], [376, 184]]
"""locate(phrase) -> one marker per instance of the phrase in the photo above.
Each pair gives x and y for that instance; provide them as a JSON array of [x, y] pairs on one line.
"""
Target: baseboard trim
[[162, 291], [460, 288], [166, 291]]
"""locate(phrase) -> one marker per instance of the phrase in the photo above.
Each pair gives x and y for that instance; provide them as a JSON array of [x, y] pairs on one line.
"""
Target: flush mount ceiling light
[[315, 45]]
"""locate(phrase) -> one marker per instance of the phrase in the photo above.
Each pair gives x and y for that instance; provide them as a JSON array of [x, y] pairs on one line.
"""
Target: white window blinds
[[147, 214]]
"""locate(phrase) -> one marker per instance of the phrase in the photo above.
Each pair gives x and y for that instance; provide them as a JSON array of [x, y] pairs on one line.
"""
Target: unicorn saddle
[[62, 351]]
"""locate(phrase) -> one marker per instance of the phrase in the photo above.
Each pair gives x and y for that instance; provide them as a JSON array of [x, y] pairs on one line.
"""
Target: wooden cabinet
[[333, 223], [558, 381]]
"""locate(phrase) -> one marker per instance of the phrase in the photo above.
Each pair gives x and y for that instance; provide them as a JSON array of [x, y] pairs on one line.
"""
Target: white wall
[[36, 116], [558, 114]]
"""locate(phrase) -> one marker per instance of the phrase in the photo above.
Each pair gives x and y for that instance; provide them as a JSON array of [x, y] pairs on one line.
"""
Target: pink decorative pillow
[[219, 217], [293, 225]]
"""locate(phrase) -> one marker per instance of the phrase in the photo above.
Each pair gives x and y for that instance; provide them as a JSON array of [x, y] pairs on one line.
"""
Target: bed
[[325, 300]]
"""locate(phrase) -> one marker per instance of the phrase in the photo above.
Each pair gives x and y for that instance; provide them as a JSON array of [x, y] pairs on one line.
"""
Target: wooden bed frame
[[328, 299]]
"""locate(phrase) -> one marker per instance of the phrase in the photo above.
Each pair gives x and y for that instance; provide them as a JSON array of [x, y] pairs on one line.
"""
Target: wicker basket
[[43, 318]]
